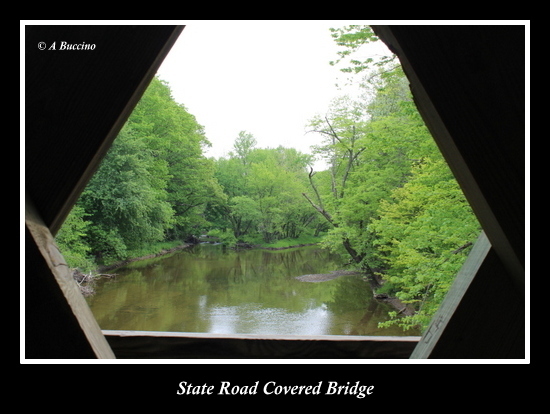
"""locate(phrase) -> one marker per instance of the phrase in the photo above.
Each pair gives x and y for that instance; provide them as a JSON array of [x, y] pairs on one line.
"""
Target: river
[[211, 289]]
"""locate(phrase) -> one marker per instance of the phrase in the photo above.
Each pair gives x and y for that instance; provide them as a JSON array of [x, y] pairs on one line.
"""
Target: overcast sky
[[268, 78]]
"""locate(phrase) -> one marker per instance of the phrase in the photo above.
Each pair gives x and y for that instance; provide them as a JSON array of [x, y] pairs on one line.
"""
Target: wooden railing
[[177, 345]]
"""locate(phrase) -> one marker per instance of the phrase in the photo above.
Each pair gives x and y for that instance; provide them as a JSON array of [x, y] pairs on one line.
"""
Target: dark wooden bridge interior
[[469, 85]]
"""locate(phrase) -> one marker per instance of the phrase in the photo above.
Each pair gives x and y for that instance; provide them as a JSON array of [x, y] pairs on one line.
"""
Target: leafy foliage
[[152, 185], [178, 141], [70, 240], [423, 236], [263, 192], [351, 38], [391, 202], [126, 198], [387, 200]]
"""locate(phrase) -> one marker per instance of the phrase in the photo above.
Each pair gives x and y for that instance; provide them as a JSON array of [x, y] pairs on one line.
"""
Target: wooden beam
[[452, 300], [114, 130], [74, 321], [183, 345], [459, 76], [482, 316], [474, 119], [76, 102], [468, 85]]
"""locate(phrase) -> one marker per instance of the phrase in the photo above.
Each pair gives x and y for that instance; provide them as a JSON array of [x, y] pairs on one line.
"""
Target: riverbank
[[163, 252], [290, 243], [295, 246], [86, 282]]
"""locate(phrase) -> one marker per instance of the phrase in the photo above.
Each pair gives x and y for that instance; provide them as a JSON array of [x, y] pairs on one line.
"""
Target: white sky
[[268, 78]]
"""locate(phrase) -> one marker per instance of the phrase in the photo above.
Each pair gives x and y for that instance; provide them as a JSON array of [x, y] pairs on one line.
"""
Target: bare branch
[[311, 174], [322, 211], [465, 246], [334, 134]]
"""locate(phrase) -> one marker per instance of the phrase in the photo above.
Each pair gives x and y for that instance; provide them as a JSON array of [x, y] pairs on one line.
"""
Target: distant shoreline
[[163, 252]]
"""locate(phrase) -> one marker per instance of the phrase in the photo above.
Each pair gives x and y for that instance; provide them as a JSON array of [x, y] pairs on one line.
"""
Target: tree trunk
[[358, 259]]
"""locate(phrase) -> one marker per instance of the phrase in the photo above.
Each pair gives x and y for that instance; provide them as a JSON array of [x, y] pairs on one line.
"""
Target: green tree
[[243, 146], [368, 144], [126, 200], [424, 234], [343, 131], [391, 201], [71, 240], [154, 183], [263, 188], [351, 38], [178, 141]]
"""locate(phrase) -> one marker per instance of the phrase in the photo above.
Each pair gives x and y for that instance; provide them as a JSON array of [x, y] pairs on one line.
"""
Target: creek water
[[211, 289]]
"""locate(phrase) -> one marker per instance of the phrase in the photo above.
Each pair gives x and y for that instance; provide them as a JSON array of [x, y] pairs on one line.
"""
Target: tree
[[178, 141], [391, 201], [71, 240], [126, 200], [154, 183], [243, 145], [338, 229], [263, 188], [424, 234], [351, 38], [368, 155]]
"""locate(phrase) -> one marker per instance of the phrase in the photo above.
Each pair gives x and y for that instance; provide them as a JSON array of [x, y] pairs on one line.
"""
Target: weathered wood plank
[[61, 273], [482, 316], [452, 300]]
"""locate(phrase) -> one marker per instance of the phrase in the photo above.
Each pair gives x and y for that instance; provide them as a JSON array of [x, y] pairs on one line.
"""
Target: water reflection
[[253, 318], [209, 289]]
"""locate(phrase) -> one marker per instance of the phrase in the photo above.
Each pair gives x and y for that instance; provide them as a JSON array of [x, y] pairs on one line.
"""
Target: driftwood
[[86, 282]]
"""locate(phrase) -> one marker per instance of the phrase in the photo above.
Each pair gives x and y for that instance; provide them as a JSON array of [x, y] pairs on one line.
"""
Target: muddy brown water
[[210, 289]]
